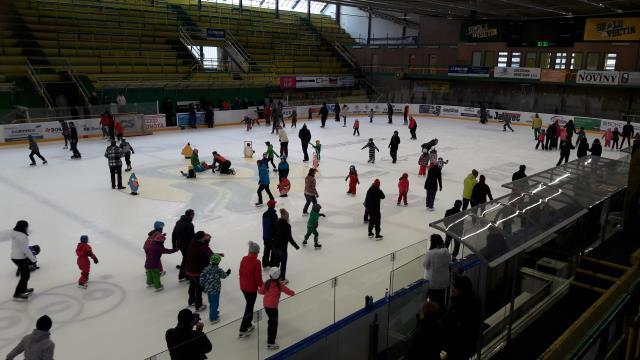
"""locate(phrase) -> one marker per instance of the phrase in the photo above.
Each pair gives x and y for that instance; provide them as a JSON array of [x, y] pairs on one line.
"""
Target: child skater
[[210, 281], [541, 135], [423, 161], [353, 180], [403, 189], [371, 115], [316, 155], [283, 168], [616, 137], [270, 154], [127, 150], [608, 135], [312, 226], [154, 248], [372, 151], [294, 118], [84, 252], [356, 127], [35, 150], [272, 289], [345, 110]]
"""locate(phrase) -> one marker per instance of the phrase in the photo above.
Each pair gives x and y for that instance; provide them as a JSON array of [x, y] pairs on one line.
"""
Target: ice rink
[[118, 318]]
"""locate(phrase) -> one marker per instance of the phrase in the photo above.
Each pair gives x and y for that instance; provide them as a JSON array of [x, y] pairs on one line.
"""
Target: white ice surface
[[118, 318]]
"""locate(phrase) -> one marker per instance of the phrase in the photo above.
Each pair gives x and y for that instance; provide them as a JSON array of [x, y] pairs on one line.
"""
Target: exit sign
[[543, 43]]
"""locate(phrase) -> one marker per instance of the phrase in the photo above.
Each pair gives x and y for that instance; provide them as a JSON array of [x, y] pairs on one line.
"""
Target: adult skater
[[372, 208], [269, 219], [405, 114], [305, 137], [263, 179], [184, 342], [250, 282], [583, 148], [507, 123], [344, 112], [310, 191], [570, 127], [536, 125], [336, 111], [38, 344], [284, 142], [183, 233], [73, 141], [520, 173], [565, 151], [224, 165], [23, 257], [35, 150], [281, 239], [483, 114], [551, 141], [480, 192], [390, 113], [198, 257], [127, 150], [114, 155], [457, 205], [393, 146], [627, 133], [436, 264], [431, 184], [413, 126], [324, 113], [596, 148], [371, 114], [64, 128], [469, 182]]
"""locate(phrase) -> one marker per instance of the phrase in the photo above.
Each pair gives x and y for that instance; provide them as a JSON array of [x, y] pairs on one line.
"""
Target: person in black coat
[[305, 137], [551, 140], [324, 113], [457, 206], [627, 133], [372, 208], [184, 342], [565, 151], [73, 140], [519, 174], [427, 338], [390, 112], [434, 178], [197, 258], [480, 192], [181, 236], [462, 320], [596, 148], [336, 110], [393, 146], [571, 129], [583, 148], [281, 239]]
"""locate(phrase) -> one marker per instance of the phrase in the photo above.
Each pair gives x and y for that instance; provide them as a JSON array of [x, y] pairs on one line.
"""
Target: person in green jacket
[[195, 161], [469, 182], [270, 154], [317, 147], [536, 125], [312, 225]]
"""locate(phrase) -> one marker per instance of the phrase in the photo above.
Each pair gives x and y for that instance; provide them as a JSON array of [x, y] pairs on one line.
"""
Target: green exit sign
[[543, 43]]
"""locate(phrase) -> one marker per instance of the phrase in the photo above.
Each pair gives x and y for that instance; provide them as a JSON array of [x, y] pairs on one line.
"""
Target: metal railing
[[35, 79], [36, 115], [236, 52]]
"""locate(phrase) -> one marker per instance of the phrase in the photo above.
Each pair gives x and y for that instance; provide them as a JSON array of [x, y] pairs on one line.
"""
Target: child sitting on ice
[[248, 149], [84, 252], [353, 180], [372, 150]]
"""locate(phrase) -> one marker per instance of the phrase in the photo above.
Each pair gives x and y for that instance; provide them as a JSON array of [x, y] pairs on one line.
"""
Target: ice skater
[[627, 134], [312, 226], [372, 150], [541, 135], [316, 154], [73, 141], [84, 252], [272, 290], [565, 151], [23, 257], [352, 177], [403, 189], [616, 137], [423, 161], [270, 154], [113, 153], [119, 130], [269, 218], [413, 126], [283, 168], [344, 112], [356, 127], [372, 208], [250, 281], [432, 184], [310, 191], [35, 150], [224, 165], [607, 136], [305, 137], [154, 249], [127, 150], [294, 118], [393, 146], [263, 179], [64, 128], [210, 280], [405, 115], [284, 142], [371, 114], [282, 237], [467, 189], [336, 111], [507, 124], [390, 113]]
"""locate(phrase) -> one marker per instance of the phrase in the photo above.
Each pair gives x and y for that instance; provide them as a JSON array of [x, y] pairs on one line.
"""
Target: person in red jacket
[[403, 188], [413, 126], [272, 289], [84, 252], [356, 127], [250, 280], [406, 114], [353, 180], [119, 130], [105, 124]]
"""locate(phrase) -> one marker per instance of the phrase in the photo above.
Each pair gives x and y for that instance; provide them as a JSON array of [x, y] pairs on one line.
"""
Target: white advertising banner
[[20, 132], [598, 77], [516, 72], [157, 121]]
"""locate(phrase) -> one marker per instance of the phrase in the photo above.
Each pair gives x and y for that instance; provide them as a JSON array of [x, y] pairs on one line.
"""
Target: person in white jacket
[[22, 256], [284, 142], [437, 265]]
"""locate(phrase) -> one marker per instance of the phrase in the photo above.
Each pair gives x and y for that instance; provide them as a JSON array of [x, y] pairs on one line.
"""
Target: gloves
[[95, 261], [228, 271]]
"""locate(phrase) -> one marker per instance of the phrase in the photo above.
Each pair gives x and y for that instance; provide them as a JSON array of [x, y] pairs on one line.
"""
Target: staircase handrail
[[244, 61], [83, 90], [33, 75]]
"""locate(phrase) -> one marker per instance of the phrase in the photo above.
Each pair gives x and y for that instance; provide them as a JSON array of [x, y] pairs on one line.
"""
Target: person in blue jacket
[[263, 179], [283, 168]]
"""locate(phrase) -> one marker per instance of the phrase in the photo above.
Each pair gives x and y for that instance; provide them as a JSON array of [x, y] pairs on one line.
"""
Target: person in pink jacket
[[272, 289], [608, 135]]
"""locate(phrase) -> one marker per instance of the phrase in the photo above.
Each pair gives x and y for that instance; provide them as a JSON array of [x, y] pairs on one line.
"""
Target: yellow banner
[[612, 29]]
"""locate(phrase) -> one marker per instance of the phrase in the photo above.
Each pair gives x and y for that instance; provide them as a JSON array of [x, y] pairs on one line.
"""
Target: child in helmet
[[210, 281]]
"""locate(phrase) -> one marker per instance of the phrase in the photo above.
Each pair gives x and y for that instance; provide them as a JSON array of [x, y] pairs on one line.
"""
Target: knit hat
[[352, 168], [267, 142], [215, 259], [316, 207], [158, 225], [376, 182], [317, 141], [271, 203], [254, 248], [44, 323], [84, 239], [274, 273]]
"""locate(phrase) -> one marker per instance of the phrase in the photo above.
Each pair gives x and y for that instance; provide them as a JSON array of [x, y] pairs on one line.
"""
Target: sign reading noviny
[[598, 77], [612, 29]]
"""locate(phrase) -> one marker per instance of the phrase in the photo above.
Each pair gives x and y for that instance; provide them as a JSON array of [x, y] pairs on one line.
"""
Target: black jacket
[[463, 322], [73, 133], [429, 145], [187, 344], [596, 149], [373, 198], [395, 141], [571, 128], [197, 257], [565, 148], [324, 112], [518, 175], [282, 235], [389, 109], [305, 135], [426, 341], [480, 193], [627, 130], [583, 148], [182, 233], [434, 178]]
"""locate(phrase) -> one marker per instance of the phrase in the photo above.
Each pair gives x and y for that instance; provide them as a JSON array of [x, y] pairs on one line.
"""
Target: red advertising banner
[[287, 82]]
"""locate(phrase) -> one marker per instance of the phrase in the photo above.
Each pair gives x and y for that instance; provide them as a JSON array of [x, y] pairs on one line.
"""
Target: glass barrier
[[409, 253], [407, 274], [227, 344], [35, 115]]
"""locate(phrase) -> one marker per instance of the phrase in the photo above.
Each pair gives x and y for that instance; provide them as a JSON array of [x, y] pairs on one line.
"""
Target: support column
[[309, 9], [369, 27], [240, 4], [338, 13], [404, 26], [277, 9]]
